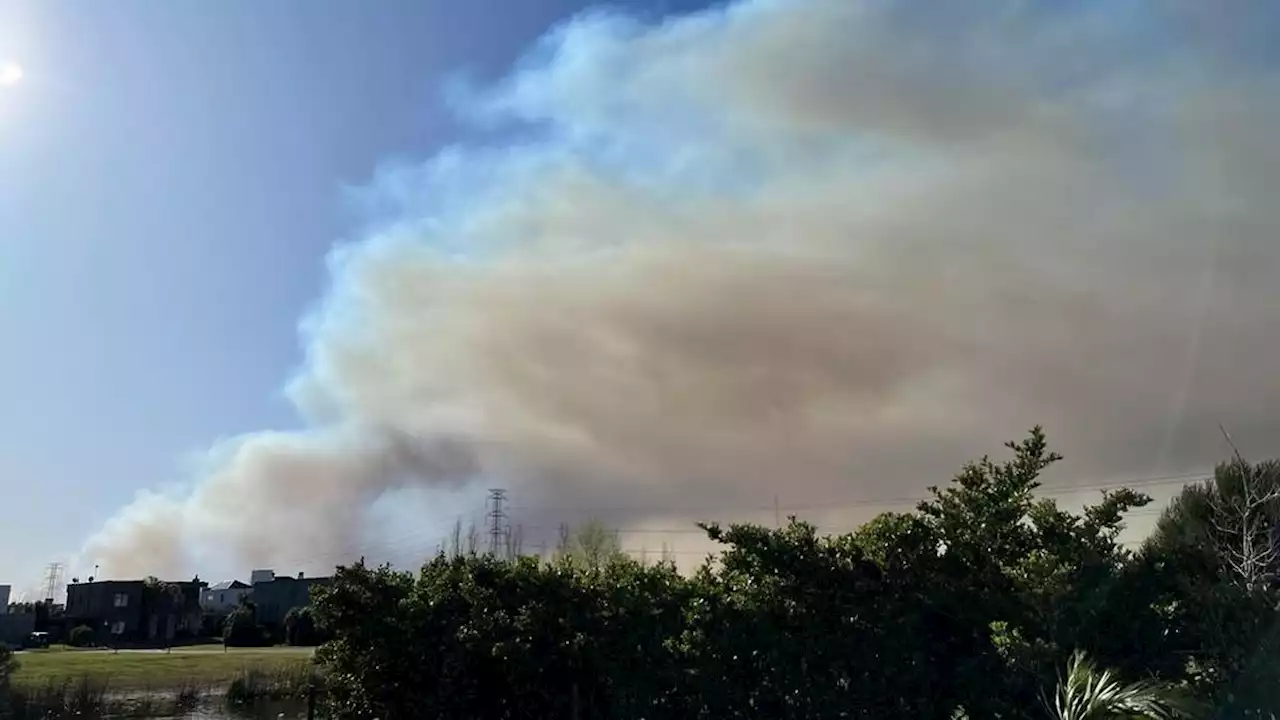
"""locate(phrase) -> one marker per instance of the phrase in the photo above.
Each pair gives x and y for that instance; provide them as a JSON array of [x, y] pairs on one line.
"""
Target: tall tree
[[1211, 560], [592, 545]]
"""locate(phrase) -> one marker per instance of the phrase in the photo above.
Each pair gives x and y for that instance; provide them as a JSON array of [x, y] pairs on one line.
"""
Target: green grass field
[[138, 670]]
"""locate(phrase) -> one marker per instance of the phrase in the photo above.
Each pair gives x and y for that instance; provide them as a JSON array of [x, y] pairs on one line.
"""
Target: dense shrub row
[[971, 605]]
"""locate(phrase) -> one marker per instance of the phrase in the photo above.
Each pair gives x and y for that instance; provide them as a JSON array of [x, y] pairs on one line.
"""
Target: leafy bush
[[1088, 693], [241, 629], [966, 607], [81, 636], [554, 637], [300, 627], [8, 664]]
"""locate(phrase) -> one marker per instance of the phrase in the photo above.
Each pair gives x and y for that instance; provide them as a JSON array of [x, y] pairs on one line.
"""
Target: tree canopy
[[977, 604]]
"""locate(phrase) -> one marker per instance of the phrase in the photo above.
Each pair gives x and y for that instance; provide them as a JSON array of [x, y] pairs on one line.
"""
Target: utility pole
[[497, 521], [53, 571], [777, 517]]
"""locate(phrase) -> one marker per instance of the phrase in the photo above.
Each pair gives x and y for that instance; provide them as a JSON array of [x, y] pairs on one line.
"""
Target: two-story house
[[135, 611], [274, 598]]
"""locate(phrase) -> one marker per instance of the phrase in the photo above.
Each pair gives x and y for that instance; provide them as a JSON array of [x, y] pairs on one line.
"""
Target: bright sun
[[10, 74]]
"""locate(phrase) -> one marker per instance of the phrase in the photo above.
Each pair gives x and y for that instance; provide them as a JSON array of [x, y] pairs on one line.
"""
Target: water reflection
[[265, 710]]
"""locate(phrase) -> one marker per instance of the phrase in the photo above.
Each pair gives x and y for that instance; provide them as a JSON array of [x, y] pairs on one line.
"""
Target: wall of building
[[275, 599], [112, 608], [15, 627], [223, 601], [117, 611], [188, 613], [5, 592]]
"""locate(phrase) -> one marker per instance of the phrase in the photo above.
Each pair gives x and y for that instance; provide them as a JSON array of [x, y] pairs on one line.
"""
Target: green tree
[[241, 628], [300, 627], [966, 607], [790, 624], [43, 611], [162, 604], [560, 639], [80, 636], [1013, 582], [379, 638], [1210, 562], [592, 545]]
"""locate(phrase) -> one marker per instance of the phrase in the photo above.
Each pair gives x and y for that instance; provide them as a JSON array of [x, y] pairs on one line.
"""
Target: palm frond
[[1087, 693]]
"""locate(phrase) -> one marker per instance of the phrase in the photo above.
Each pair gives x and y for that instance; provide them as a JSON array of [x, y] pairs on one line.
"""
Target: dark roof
[[112, 581], [180, 583], [285, 579], [230, 585]]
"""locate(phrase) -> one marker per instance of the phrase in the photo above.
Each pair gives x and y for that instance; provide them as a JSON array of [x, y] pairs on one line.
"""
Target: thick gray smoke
[[826, 250]]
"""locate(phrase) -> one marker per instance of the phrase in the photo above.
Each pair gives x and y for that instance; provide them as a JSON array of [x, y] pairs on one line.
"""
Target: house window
[[117, 627], [121, 600]]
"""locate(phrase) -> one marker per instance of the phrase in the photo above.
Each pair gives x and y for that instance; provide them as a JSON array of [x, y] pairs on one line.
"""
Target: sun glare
[[10, 74]]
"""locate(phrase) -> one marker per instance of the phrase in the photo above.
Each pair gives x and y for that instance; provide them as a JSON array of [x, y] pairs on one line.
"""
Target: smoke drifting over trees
[[833, 247]]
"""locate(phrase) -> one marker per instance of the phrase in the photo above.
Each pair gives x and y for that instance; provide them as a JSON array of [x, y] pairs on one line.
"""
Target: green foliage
[[80, 636], [241, 629], [791, 624], [254, 684], [552, 636], [1019, 582], [8, 664], [1223, 624], [1087, 693], [593, 546], [966, 607], [44, 612], [300, 627]]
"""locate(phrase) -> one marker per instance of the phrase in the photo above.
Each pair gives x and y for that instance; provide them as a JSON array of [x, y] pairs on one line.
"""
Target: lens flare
[[10, 74]]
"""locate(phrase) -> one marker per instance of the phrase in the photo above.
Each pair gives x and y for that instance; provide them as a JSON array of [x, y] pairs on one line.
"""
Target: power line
[[354, 551], [498, 518], [641, 530], [1181, 478]]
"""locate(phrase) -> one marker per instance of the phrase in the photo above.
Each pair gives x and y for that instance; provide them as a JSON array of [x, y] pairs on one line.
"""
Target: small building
[[135, 611], [274, 598], [221, 598], [15, 628]]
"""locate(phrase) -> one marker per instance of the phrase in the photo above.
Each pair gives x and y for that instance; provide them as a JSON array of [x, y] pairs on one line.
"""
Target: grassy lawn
[[126, 670]]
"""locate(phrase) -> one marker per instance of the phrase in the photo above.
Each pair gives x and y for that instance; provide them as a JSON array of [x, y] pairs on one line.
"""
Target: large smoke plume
[[826, 250]]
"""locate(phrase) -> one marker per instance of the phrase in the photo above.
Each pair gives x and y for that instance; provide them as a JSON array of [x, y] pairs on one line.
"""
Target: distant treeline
[[970, 606]]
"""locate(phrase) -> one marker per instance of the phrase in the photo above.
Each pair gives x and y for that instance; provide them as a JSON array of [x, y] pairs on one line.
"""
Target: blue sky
[[171, 178]]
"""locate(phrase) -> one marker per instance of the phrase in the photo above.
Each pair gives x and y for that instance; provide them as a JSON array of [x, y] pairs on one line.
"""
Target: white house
[[224, 596]]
